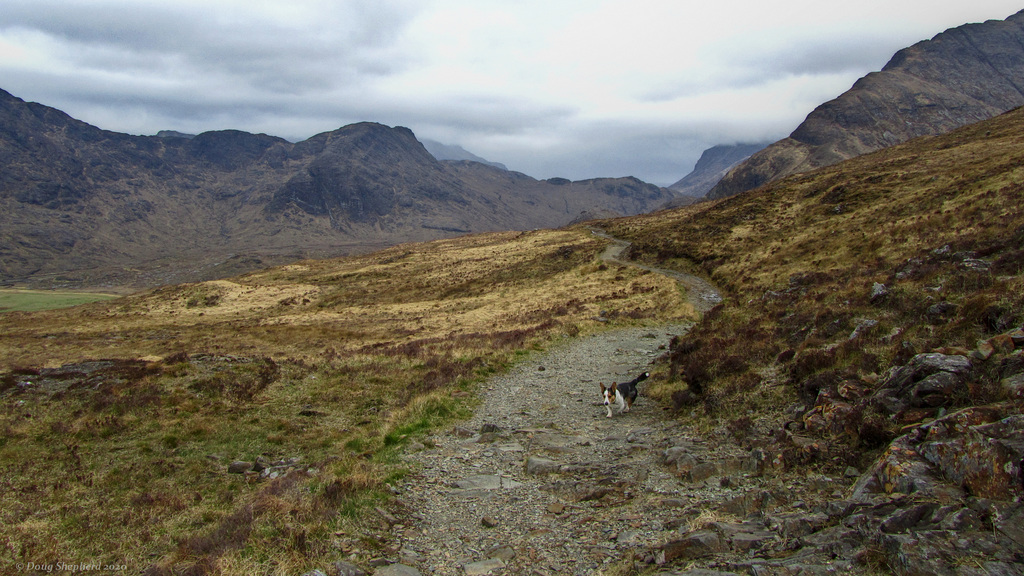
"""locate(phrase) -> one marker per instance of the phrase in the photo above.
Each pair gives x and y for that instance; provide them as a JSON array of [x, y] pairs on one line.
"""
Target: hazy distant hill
[[713, 164], [83, 206], [959, 77], [454, 152]]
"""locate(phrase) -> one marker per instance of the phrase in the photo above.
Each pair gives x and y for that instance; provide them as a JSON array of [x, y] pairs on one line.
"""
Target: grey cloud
[[751, 64], [338, 48], [821, 56], [657, 153]]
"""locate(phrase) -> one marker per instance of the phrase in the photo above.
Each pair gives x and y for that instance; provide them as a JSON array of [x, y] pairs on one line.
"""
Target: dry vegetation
[[325, 365], [938, 222]]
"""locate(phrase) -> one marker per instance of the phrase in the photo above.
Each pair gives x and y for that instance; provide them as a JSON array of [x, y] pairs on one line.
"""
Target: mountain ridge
[[958, 77], [87, 207]]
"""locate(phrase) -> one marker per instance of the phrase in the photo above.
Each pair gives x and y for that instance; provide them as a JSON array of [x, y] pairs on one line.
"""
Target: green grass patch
[[12, 300]]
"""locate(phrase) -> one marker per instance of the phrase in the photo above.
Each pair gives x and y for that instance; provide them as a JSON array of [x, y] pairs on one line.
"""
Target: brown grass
[[938, 221], [334, 363]]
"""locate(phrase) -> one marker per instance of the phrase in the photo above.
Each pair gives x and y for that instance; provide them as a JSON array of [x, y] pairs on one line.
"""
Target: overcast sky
[[571, 88]]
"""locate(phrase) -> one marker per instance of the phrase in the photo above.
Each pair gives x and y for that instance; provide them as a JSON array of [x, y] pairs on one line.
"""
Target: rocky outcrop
[[977, 451], [959, 77]]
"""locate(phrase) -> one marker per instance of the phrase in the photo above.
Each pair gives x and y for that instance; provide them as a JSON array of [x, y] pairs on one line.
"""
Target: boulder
[[483, 567], [537, 466], [928, 380], [342, 568], [924, 365], [397, 570], [1003, 343], [1013, 386], [878, 292], [694, 545], [485, 482], [936, 390], [239, 467]]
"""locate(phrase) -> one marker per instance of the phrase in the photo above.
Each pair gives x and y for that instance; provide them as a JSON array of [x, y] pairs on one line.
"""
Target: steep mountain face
[[712, 166], [363, 174], [959, 77], [82, 206]]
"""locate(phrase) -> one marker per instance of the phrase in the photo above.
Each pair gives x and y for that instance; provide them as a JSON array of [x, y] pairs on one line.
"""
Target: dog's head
[[608, 393]]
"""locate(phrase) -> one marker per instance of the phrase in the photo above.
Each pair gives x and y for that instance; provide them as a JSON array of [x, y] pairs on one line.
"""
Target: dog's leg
[[620, 399]]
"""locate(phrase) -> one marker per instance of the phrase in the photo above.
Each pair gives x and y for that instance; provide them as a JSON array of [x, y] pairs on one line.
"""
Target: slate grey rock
[[878, 291], [501, 552], [483, 566], [537, 466], [239, 467], [694, 545], [397, 570], [485, 482], [345, 569]]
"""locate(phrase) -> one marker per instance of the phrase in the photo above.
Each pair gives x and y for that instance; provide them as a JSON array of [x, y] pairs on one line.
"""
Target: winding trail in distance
[[702, 294]]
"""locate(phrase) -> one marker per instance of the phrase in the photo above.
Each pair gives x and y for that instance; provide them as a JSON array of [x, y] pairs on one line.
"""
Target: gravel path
[[540, 481]]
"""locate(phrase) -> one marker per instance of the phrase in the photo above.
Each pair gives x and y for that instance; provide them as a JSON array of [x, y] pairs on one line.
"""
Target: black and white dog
[[623, 395]]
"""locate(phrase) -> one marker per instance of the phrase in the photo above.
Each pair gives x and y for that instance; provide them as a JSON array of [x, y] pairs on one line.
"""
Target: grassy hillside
[[119, 420], [848, 271]]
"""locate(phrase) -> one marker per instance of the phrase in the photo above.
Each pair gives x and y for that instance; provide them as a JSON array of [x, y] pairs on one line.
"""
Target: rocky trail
[[540, 482]]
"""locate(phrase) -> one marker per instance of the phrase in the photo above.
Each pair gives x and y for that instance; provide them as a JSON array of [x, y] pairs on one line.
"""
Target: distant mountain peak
[[456, 152], [714, 163], [174, 134]]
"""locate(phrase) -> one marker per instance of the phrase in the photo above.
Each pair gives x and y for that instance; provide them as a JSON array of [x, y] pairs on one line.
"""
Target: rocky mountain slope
[[960, 76], [713, 165], [82, 206]]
